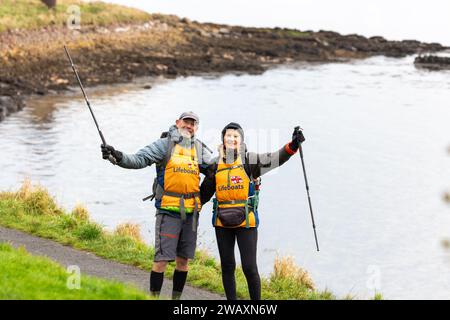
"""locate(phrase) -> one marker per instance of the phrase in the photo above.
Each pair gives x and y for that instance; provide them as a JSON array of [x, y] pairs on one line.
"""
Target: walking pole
[[110, 157], [297, 133]]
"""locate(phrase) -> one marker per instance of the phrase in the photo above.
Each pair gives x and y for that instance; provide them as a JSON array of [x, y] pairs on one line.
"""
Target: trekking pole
[[110, 157], [297, 130]]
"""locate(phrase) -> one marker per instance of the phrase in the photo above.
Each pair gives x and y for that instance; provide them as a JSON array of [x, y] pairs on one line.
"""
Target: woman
[[234, 178]]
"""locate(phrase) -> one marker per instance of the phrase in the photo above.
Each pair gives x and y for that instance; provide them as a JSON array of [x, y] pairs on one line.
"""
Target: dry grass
[[37, 199], [33, 14], [285, 268], [80, 212], [130, 230], [25, 190]]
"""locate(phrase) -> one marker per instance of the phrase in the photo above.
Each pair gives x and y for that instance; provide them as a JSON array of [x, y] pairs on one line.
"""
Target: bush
[[89, 231], [37, 199], [129, 230], [80, 212], [285, 268]]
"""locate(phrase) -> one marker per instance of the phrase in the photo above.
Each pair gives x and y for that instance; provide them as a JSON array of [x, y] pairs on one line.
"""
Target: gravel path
[[91, 264]]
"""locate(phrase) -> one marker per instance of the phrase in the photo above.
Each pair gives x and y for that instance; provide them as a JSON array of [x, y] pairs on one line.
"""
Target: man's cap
[[189, 115]]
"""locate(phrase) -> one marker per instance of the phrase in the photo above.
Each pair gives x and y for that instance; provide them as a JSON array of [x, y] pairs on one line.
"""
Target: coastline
[[33, 62]]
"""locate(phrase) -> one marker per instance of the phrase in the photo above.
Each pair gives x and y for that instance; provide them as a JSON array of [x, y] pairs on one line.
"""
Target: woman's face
[[232, 139]]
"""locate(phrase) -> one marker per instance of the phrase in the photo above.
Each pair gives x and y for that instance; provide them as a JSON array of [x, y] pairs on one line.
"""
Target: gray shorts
[[174, 238]]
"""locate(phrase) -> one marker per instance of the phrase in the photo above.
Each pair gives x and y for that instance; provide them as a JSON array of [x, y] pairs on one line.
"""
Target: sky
[[427, 21]]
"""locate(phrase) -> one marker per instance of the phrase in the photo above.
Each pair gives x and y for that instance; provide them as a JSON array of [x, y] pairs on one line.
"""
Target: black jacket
[[255, 165]]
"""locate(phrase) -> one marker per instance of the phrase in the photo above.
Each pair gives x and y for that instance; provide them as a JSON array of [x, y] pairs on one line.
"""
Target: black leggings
[[247, 240]]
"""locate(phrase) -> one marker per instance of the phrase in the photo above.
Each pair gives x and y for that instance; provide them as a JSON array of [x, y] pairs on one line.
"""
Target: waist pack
[[231, 217]]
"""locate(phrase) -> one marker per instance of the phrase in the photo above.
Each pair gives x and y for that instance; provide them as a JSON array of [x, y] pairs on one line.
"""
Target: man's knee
[[159, 266], [182, 264]]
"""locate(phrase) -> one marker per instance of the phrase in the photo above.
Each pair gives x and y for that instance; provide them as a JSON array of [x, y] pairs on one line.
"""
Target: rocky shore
[[432, 62], [34, 62]]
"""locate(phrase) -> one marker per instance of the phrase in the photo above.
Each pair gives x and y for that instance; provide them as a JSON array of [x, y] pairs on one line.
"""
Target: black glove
[[108, 150], [297, 139]]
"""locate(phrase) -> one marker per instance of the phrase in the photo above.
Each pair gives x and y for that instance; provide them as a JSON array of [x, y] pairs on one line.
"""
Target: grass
[[33, 14], [33, 210], [26, 277]]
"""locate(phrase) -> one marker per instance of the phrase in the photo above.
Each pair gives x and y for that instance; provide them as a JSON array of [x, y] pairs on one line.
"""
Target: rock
[[162, 67], [224, 31], [3, 113], [227, 56], [102, 30], [216, 33], [56, 80], [164, 27], [9, 105], [147, 86], [432, 62], [61, 81], [322, 42], [205, 34], [377, 39], [172, 71], [121, 29], [411, 42]]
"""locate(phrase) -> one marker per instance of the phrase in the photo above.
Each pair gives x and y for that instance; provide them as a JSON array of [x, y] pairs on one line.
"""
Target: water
[[376, 157]]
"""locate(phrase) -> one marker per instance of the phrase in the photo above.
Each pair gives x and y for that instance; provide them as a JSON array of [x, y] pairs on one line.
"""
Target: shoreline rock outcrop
[[432, 62]]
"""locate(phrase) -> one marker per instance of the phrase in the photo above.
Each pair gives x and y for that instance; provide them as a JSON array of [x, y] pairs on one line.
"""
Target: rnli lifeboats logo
[[236, 179], [191, 169]]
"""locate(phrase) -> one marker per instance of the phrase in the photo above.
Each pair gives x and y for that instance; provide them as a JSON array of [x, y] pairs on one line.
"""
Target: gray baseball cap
[[189, 115]]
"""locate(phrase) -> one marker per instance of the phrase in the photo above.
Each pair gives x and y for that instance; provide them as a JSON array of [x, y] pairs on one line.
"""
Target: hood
[[175, 135]]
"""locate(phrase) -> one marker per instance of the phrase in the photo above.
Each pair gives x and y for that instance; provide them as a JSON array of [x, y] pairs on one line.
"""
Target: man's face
[[187, 127]]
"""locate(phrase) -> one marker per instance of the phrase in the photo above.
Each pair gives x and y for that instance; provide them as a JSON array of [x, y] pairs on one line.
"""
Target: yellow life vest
[[232, 190], [181, 181]]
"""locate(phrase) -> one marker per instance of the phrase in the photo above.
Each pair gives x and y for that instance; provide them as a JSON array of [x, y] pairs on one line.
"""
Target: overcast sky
[[394, 19]]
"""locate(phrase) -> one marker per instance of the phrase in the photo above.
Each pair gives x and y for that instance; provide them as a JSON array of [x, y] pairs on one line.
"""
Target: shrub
[[80, 212], [286, 269], [89, 231], [129, 230]]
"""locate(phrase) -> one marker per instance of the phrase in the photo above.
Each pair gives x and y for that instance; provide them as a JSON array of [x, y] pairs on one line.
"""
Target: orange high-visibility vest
[[232, 190], [181, 181]]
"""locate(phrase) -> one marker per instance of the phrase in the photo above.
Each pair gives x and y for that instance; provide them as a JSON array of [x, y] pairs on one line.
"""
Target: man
[[179, 159]]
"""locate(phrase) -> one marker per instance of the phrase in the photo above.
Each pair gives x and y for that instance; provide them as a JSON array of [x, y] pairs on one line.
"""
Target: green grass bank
[[26, 277], [33, 210]]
